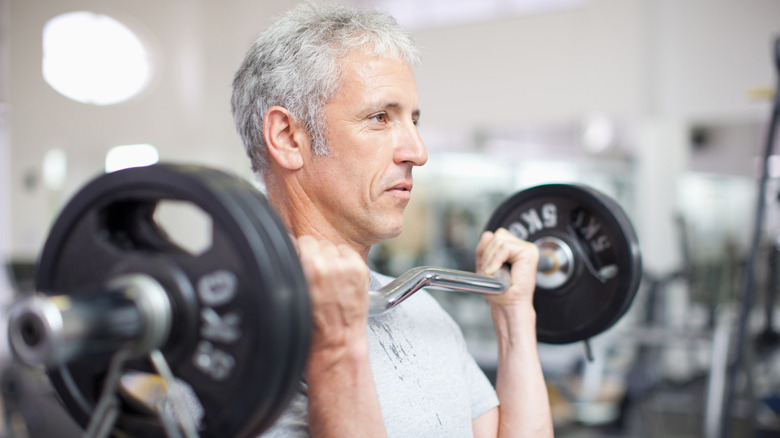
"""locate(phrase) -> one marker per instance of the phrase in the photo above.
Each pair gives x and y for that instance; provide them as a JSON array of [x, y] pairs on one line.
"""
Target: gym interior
[[666, 107]]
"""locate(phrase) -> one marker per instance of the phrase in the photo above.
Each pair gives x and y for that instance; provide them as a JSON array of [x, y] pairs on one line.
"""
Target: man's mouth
[[402, 187]]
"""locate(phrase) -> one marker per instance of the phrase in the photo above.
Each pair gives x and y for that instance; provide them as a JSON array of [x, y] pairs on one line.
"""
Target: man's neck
[[301, 216]]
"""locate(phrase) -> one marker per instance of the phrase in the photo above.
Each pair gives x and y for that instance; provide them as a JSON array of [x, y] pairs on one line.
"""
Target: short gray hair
[[294, 64]]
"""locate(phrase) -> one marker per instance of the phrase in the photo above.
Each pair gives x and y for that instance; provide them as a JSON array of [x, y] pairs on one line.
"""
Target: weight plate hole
[[185, 225]]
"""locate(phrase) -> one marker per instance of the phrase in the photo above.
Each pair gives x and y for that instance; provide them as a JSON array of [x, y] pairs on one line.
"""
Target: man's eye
[[380, 117]]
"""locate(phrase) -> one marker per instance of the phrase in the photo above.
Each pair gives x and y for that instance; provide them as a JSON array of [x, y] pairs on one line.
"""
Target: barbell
[[142, 336]]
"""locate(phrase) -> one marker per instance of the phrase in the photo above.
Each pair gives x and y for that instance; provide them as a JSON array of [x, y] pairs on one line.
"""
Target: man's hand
[[342, 394], [338, 286], [524, 409], [500, 248]]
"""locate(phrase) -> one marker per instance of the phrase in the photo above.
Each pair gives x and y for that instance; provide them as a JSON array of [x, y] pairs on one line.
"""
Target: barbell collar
[[556, 263], [133, 311]]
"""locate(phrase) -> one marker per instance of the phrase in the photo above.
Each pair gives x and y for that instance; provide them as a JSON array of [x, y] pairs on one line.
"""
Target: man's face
[[363, 185]]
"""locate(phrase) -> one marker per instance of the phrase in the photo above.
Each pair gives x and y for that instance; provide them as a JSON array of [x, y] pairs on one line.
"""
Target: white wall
[[690, 59], [5, 190], [551, 67], [709, 53], [636, 60]]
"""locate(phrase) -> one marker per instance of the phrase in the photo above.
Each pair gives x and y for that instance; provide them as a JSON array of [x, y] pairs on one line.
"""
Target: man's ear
[[285, 138]]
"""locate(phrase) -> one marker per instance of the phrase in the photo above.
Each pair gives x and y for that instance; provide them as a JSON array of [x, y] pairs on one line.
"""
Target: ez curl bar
[[118, 299]]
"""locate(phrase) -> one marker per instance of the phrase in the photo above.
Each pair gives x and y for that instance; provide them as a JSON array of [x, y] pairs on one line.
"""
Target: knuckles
[[335, 273], [504, 245]]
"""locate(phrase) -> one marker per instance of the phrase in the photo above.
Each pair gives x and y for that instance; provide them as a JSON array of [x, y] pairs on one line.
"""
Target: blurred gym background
[[662, 104]]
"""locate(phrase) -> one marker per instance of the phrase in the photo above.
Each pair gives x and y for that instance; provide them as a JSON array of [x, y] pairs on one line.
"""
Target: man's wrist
[[514, 321], [348, 355]]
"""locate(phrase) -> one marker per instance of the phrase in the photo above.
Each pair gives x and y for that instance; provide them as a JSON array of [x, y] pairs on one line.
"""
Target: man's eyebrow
[[388, 105], [395, 106]]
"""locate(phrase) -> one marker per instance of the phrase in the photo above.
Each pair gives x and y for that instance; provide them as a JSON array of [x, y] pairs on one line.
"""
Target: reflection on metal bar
[[428, 276]]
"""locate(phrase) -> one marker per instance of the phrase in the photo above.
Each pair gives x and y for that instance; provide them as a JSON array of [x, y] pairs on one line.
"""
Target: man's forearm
[[342, 395], [524, 405]]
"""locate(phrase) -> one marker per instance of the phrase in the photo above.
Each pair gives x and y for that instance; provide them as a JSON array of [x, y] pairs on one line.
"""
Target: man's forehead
[[373, 82], [375, 71]]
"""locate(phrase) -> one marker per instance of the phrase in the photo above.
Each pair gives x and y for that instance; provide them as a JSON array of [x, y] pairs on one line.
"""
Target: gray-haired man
[[326, 104]]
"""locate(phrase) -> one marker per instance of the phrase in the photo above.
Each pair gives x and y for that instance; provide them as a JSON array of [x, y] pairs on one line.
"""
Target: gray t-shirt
[[428, 383]]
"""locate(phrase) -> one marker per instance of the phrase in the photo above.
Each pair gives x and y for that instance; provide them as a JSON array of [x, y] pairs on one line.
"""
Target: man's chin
[[390, 232]]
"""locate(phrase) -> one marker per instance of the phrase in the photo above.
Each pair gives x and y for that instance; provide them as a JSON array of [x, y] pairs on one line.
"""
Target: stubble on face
[[363, 185]]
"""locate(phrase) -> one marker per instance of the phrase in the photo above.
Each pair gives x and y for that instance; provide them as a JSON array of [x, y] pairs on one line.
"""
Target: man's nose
[[410, 148]]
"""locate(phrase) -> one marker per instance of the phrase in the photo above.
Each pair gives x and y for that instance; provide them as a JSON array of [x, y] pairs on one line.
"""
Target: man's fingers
[[487, 236], [498, 249], [502, 247]]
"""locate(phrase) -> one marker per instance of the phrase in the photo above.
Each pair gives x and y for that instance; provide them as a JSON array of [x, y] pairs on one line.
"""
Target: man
[[326, 104]]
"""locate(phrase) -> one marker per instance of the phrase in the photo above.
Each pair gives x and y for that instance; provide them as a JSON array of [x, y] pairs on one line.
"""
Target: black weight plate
[[256, 205], [299, 308], [256, 361], [602, 239]]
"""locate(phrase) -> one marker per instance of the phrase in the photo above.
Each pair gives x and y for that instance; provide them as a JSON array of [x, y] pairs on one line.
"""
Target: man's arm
[[524, 408], [342, 394]]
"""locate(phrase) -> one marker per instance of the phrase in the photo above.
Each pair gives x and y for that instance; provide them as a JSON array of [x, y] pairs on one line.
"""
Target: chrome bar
[[429, 276]]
